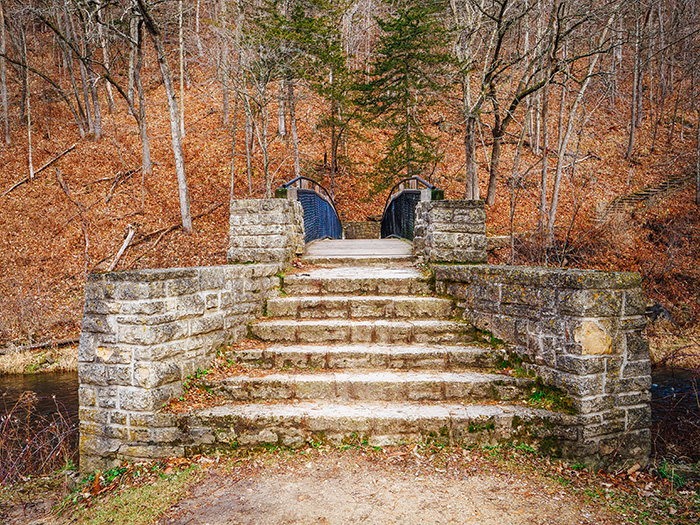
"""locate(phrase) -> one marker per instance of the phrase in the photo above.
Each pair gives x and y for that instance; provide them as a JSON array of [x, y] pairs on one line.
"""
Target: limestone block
[[155, 374], [594, 340]]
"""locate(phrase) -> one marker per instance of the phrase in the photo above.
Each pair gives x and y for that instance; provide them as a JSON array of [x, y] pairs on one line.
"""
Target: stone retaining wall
[[450, 231], [143, 333], [265, 230], [579, 330], [362, 230]]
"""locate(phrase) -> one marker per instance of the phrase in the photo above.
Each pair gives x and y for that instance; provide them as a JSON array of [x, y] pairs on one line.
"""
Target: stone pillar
[[143, 333], [265, 230], [450, 231]]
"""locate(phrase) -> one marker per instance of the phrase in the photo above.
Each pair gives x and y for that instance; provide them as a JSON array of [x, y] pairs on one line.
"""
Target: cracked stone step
[[378, 424], [358, 280], [422, 357], [344, 307], [373, 386], [352, 331]]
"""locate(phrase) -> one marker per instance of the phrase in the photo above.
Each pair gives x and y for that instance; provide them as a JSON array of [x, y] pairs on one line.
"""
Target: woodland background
[[139, 120]]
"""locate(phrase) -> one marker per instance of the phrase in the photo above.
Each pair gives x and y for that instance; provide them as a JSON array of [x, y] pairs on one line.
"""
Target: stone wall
[[265, 230], [579, 330], [143, 333], [450, 231], [362, 230]]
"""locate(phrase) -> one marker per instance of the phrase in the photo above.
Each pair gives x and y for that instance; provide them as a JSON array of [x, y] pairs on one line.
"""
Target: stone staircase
[[363, 354], [645, 197]]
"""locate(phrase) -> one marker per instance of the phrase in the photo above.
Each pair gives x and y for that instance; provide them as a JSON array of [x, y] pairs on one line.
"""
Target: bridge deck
[[358, 251]]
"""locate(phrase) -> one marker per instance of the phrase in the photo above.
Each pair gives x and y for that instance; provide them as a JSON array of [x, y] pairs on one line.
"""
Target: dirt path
[[400, 487]]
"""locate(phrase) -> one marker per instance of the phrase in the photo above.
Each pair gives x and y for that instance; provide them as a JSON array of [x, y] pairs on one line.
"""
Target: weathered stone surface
[[583, 334], [265, 230], [450, 231]]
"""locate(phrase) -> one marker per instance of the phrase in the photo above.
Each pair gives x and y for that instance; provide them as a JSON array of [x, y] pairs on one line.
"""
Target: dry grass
[[18, 361]]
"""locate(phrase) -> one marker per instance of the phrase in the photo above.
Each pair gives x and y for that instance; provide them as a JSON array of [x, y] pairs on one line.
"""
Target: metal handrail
[[415, 180], [325, 195]]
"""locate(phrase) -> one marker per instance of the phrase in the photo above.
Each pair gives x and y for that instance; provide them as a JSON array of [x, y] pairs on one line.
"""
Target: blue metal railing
[[399, 215], [321, 218]]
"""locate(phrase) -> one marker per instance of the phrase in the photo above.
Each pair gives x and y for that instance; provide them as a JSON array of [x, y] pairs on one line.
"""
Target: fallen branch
[[18, 184], [44, 344], [160, 233], [123, 248]]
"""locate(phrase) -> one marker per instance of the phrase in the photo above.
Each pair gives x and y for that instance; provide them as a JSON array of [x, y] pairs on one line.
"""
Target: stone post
[[450, 231], [265, 230]]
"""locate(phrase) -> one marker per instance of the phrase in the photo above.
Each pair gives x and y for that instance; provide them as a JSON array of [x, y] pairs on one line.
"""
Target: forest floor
[[415, 484]]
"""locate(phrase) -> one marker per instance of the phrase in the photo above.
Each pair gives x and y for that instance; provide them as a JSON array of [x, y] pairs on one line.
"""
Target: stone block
[[112, 354], [636, 368], [155, 374], [591, 303], [140, 400], [206, 325], [637, 347], [142, 308], [152, 335]]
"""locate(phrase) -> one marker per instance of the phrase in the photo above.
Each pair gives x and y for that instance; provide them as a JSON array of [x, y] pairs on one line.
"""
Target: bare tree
[[157, 40]]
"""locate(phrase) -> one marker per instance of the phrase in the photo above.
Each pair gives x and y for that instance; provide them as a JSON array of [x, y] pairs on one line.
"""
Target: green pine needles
[[407, 78]]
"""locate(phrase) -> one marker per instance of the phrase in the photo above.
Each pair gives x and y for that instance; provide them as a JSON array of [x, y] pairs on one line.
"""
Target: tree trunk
[[281, 117], [497, 133], [105, 58], [249, 146], [133, 30], [147, 165], [181, 41], [472, 180], [544, 179], [3, 79], [29, 105], [293, 124], [234, 132], [167, 75]]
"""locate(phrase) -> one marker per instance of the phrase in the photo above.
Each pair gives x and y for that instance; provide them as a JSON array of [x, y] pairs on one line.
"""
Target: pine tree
[[411, 61]]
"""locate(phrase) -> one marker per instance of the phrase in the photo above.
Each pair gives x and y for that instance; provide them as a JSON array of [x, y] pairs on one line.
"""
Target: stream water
[[62, 385]]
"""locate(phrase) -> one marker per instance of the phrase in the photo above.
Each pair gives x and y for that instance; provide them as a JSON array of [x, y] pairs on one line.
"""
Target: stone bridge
[[365, 345]]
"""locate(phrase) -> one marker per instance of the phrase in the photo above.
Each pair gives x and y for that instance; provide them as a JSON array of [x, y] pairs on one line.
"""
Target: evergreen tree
[[411, 60]]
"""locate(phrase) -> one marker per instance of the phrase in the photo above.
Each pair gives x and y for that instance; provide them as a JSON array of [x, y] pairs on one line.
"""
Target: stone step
[[362, 307], [372, 386], [358, 280], [352, 331], [378, 424], [415, 357]]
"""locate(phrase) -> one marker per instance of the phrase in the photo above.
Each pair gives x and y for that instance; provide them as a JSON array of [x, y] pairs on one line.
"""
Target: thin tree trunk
[[147, 165], [96, 105], [133, 30], [293, 124], [472, 180], [697, 159], [200, 49], [105, 58], [281, 112], [635, 94], [182, 72], [544, 179], [29, 105], [167, 75], [3, 79], [234, 132], [248, 146]]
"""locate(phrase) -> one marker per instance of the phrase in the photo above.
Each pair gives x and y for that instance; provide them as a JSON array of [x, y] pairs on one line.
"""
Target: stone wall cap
[[546, 277]]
